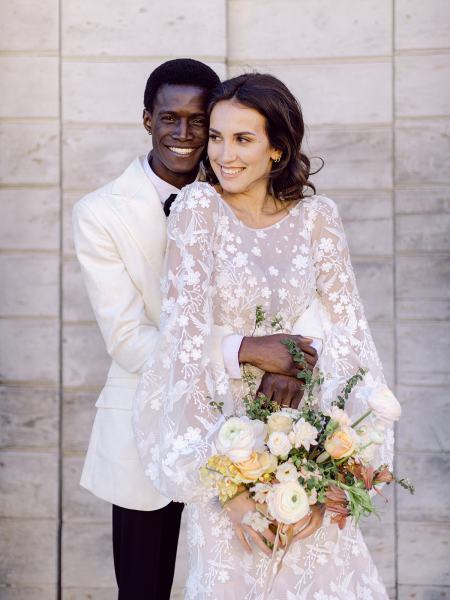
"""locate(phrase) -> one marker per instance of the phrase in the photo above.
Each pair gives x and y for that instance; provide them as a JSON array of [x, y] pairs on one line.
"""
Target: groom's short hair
[[180, 71]]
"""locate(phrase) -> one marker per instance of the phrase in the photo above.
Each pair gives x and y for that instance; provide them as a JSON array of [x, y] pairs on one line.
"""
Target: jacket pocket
[[117, 393]]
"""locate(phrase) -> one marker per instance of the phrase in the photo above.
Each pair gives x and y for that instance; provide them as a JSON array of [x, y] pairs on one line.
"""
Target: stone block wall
[[372, 77]]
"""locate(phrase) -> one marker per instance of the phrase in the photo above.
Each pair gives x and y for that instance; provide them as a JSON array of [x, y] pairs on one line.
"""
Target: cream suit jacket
[[120, 241]]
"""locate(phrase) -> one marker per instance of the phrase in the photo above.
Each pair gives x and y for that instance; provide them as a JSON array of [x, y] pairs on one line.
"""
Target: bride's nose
[[228, 154]]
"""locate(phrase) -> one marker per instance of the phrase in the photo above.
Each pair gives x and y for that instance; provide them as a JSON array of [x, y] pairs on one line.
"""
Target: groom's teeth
[[181, 151]]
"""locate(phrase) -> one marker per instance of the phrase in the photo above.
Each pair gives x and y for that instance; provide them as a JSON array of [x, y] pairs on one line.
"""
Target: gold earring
[[277, 158]]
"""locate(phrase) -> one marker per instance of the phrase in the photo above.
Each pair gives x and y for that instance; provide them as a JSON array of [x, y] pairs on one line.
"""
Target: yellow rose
[[259, 463], [341, 443], [279, 422]]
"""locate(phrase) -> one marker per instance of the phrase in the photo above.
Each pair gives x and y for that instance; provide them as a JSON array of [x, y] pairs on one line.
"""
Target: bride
[[252, 237]]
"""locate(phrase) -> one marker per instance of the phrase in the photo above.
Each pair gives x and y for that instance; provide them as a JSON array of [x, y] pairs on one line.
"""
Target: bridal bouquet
[[290, 459]]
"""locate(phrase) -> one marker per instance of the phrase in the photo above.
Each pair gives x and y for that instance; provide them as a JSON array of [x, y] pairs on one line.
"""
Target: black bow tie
[[168, 203]]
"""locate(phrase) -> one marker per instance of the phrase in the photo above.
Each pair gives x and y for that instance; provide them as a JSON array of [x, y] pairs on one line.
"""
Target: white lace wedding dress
[[217, 271]]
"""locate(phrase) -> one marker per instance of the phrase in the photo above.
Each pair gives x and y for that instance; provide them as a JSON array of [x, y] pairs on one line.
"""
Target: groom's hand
[[269, 354], [282, 389]]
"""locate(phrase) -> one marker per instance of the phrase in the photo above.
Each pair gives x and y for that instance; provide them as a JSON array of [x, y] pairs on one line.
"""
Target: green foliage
[[406, 484], [277, 323], [349, 385], [259, 407]]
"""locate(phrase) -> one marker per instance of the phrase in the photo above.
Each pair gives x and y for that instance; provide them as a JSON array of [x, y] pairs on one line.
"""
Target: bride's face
[[239, 149]]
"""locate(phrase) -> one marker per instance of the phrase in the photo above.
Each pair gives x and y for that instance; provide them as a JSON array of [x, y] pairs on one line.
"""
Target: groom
[[120, 238]]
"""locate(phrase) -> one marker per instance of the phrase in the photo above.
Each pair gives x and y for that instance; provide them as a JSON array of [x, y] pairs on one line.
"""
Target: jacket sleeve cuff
[[230, 351]]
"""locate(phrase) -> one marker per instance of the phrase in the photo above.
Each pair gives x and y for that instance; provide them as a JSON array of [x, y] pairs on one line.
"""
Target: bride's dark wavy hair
[[289, 178]]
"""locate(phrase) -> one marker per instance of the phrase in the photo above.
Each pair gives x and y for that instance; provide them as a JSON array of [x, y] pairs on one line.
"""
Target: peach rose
[[341, 443], [257, 465]]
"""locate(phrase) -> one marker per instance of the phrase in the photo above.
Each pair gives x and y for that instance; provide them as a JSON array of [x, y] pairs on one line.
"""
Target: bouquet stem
[[361, 418]]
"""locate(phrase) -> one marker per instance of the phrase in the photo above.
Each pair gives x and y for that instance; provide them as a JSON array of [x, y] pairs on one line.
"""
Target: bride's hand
[[309, 524], [237, 508]]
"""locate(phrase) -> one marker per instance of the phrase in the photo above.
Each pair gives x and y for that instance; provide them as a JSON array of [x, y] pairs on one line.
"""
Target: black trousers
[[145, 548]]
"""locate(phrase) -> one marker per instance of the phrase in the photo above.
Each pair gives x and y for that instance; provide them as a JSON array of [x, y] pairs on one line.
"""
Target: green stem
[[364, 416]]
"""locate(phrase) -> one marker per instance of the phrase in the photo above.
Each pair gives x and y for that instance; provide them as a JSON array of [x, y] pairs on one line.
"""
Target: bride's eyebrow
[[211, 130]]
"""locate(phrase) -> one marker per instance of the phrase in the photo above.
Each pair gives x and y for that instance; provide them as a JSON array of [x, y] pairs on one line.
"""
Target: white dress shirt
[[230, 343]]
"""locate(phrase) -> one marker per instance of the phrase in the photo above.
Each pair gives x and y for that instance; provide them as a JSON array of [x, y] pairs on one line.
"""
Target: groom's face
[[178, 125]]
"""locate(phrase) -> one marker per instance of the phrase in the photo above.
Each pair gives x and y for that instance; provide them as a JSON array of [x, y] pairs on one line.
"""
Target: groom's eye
[[168, 119]]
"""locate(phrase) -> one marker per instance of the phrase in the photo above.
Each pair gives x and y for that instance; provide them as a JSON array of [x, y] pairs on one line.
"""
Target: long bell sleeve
[[173, 420], [347, 343]]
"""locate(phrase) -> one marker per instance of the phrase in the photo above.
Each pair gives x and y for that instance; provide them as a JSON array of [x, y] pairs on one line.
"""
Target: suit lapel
[[137, 205]]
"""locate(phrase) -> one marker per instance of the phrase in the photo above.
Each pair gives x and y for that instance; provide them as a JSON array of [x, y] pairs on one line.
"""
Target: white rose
[[303, 434], [279, 422], [288, 502], [338, 415], [384, 404], [286, 472], [279, 443], [237, 438]]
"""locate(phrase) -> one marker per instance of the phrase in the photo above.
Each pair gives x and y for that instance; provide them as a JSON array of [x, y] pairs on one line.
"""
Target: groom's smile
[[178, 125]]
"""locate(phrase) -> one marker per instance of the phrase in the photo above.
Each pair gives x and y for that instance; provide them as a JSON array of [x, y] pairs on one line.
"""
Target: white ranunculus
[[384, 404], [260, 431], [340, 416], [303, 434], [279, 422], [286, 472], [237, 438], [288, 502], [279, 443]]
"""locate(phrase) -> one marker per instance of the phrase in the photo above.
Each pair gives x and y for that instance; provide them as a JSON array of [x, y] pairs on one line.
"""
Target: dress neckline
[[237, 220]]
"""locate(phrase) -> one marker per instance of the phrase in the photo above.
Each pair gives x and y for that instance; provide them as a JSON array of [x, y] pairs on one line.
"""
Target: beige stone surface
[[104, 81], [343, 93], [140, 28], [20, 75], [28, 417], [87, 555], [28, 552], [29, 26], [422, 25], [422, 95], [425, 418], [85, 359], [78, 417], [30, 285], [423, 553], [28, 484], [418, 338], [69, 199], [421, 592], [30, 219], [79, 505], [355, 157], [429, 232], [430, 474], [422, 152], [94, 155], [89, 593], [288, 29], [18, 592], [423, 286], [383, 336], [29, 153], [375, 284], [29, 350], [76, 306]]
